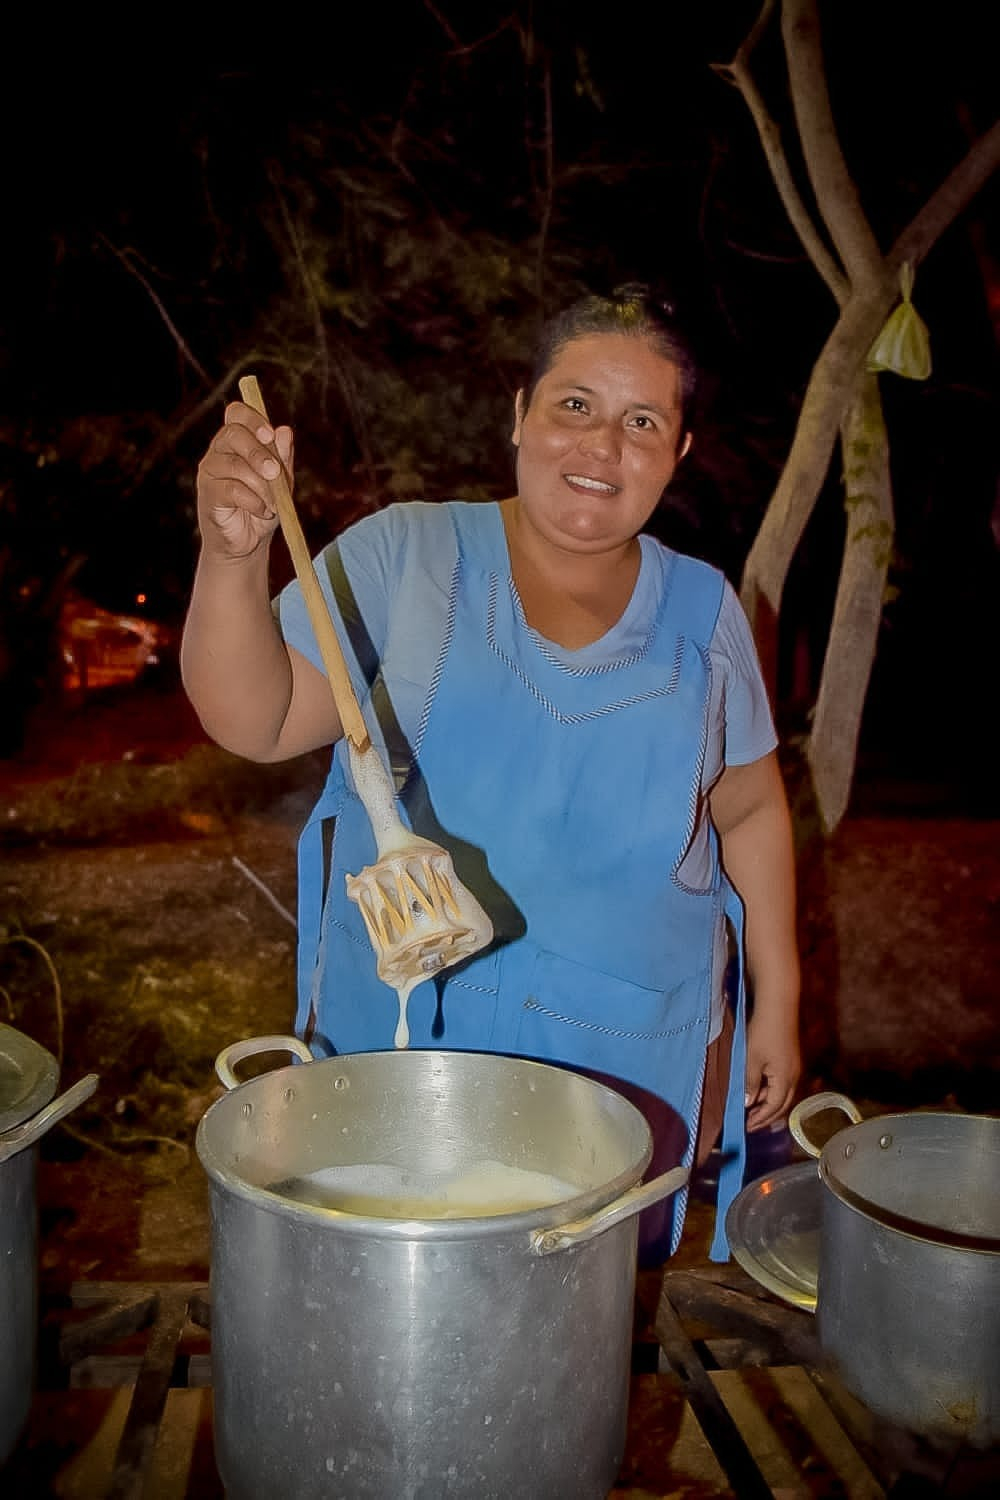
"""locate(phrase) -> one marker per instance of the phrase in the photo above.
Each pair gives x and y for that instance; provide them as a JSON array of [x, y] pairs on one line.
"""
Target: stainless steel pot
[[28, 1080], [421, 1359], [908, 1294]]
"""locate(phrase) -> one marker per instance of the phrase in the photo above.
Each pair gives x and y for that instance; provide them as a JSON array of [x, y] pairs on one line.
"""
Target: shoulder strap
[[694, 598]]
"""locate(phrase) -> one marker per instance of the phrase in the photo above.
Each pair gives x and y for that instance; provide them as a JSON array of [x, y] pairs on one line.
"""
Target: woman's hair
[[633, 309]]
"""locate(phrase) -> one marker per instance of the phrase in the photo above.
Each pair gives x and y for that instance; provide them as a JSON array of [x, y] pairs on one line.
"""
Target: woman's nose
[[601, 441]]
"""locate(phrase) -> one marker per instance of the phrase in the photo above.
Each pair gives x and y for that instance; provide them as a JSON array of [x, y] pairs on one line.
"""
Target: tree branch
[[175, 333], [947, 202], [832, 183], [546, 218], [739, 73], [832, 381]]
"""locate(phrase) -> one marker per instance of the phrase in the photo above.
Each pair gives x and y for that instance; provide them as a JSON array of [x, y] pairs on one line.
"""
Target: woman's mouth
[[590, 486]]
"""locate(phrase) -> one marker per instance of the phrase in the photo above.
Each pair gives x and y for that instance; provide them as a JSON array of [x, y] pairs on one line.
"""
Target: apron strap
[[732, 1144]]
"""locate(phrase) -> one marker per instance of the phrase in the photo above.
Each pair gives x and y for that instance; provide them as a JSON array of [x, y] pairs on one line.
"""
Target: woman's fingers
[[225, 480], [238, 468], [252, 436], [769, 1092]]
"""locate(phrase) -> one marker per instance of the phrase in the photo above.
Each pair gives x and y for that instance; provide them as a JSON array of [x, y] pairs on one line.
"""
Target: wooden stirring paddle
[[419, 917]]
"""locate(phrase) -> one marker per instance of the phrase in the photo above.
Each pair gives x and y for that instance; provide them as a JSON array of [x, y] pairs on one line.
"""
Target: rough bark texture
[[832, 746]]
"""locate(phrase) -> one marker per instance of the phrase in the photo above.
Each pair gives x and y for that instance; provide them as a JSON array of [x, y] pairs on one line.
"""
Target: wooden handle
[[344, 697]]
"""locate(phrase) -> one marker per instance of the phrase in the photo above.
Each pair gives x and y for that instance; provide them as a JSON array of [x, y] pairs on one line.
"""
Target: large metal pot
[[908, 1293], [420, 1359], [29, 1077]]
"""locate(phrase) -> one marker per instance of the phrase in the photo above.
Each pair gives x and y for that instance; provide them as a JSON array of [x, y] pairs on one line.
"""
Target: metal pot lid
[[773, 1229], [29, 1077]]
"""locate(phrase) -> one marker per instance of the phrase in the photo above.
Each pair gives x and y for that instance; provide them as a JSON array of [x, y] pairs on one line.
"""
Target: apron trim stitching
[[480, 989], [640, 1036], [446, 639], [546, 703], [593, 671]]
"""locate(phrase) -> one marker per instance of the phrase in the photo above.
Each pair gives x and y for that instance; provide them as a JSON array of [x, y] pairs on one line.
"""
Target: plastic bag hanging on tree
[[904, 344]]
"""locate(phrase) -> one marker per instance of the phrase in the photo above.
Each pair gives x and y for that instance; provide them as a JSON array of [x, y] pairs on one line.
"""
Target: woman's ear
[[515, 436], [685, 447]]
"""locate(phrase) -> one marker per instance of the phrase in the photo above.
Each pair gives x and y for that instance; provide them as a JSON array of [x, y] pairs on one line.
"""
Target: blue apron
[[567, 797]]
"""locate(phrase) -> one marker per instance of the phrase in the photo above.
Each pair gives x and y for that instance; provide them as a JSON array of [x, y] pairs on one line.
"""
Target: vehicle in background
[[99, 648]]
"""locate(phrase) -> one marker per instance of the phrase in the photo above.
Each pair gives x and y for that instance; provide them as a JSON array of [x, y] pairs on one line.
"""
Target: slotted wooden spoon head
[[418, 915]]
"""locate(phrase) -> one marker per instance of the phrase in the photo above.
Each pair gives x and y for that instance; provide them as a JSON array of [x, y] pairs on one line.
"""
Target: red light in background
[[140, 598]]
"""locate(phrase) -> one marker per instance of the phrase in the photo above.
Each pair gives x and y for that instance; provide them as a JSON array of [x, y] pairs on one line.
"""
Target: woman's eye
[[643, 423], [575, 403]]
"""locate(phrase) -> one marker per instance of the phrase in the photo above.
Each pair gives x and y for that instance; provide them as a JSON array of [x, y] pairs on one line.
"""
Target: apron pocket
[[585, 1018]]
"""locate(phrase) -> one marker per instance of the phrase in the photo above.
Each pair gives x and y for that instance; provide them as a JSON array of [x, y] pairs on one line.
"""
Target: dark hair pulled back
[[634, 308]]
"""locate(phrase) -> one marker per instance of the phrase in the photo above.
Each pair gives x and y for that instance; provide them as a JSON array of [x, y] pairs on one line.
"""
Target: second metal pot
[[908, 1295], [29, 1076]]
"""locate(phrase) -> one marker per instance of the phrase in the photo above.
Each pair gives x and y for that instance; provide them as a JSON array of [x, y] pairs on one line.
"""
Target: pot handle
[[239, 1051], [545, 1241], [815, 1105], [22, 1136]]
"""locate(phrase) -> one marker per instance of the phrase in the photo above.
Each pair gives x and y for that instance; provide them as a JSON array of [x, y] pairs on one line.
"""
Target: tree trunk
[[831, 749]]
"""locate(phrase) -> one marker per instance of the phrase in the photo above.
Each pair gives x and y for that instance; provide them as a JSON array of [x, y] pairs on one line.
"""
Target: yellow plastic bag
[[904, 344]]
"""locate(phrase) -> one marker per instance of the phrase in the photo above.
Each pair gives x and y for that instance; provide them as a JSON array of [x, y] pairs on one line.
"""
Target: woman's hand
[[773, 1067], [235, 513]]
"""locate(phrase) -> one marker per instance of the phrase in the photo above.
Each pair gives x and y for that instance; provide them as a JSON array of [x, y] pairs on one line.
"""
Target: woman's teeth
[[586, 483]]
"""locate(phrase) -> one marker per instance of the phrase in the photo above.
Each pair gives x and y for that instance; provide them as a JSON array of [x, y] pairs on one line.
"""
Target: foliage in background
[[375, 229]]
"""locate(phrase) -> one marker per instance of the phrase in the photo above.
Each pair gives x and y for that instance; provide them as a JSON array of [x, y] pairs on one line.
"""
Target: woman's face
[[599, 442]]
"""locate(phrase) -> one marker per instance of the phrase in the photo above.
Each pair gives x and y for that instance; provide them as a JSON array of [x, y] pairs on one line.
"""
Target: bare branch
[[175, 333], [546, 219], [169, 439], [832, 183], [948, 201], [316, 312], [738, 72], [460, 48], [444, 24]]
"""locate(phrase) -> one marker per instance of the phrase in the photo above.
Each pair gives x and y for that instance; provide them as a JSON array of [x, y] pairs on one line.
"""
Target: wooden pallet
[[124, 1411]]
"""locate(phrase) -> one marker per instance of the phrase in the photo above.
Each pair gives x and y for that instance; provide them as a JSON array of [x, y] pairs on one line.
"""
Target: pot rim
[[481, 1226], [887, 1218]]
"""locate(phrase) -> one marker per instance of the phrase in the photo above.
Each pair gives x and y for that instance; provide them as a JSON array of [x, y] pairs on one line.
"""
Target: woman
[[575, 711]]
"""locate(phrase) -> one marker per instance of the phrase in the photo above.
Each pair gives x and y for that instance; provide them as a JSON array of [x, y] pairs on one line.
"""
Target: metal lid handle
[[815, 1105], [22, 1136]]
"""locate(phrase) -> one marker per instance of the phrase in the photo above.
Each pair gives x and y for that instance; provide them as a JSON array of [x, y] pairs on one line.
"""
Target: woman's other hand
[[236, 515], [773, 1067]]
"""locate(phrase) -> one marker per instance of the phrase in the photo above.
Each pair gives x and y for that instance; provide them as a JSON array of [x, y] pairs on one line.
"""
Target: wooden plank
[[792, 1334], [182, 1465], [666, 1453], [829, 1438], [86, 1472], [149, 1397], [722, 1432]]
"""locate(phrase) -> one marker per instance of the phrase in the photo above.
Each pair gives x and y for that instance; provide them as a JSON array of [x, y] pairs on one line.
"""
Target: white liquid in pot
[[377, 1190]]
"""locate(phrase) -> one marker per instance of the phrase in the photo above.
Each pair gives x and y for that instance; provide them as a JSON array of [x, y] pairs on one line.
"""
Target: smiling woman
[[571, 709], [598, 443]]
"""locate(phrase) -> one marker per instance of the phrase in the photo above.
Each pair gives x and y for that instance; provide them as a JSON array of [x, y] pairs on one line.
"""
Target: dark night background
[[373, 214]]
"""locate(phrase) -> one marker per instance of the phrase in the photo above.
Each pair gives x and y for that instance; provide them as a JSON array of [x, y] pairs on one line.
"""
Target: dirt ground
[[147, 892]]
